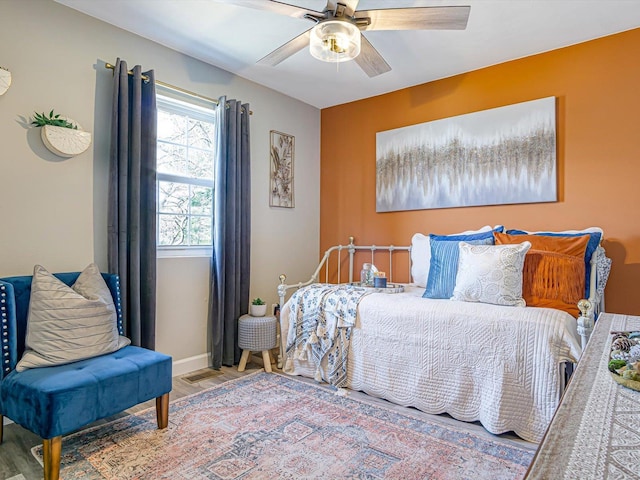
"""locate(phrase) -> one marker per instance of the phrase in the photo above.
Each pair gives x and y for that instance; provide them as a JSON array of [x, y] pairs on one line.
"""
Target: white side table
[[256, 334]]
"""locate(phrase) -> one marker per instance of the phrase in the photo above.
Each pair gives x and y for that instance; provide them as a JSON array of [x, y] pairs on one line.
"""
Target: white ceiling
[[234, 38]]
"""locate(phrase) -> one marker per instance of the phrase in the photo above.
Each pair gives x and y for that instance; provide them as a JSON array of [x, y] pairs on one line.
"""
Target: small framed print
[[281, 170]]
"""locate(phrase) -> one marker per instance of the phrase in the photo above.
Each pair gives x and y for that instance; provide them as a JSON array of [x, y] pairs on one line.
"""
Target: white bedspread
[[495, 364]]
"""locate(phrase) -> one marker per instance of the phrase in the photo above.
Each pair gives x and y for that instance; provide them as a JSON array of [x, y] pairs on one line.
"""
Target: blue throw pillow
[[444, 261], [594, 241]]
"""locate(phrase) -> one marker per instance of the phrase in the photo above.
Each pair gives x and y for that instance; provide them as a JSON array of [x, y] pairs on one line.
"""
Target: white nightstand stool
[[256, 334]]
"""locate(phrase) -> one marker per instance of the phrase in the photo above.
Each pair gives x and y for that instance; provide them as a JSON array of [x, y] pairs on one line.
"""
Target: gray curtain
[[229, 296], [132, 200]]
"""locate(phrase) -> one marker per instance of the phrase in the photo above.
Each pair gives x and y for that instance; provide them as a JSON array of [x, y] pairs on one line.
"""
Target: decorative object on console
[[491, 274], [624, 359], [258, 307], [5, 80], [61, 135], [500, 156], [281, 172]]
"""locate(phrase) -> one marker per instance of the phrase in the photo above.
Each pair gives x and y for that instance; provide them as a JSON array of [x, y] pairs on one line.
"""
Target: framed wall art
[[281, 170], [499, 156]]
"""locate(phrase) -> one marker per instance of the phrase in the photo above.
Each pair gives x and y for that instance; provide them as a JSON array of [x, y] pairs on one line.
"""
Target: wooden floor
[[17, 462]]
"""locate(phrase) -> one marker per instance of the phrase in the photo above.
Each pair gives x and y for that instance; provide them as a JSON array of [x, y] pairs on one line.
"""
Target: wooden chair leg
[[266, 358], [51, 449], [243, 360], [162, 411], [1, 425]]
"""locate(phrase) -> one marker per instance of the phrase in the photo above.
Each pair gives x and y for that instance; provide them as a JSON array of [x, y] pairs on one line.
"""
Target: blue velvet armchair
[[54, 401]]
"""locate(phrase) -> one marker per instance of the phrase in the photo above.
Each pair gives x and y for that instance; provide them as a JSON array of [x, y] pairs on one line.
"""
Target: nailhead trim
[[5, 330], [119, 304]]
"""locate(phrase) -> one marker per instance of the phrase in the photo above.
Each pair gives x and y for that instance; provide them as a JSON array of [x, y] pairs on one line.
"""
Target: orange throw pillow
[[554, 271]]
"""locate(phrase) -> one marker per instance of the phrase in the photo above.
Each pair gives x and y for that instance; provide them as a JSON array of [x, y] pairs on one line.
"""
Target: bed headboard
[[337, 264]]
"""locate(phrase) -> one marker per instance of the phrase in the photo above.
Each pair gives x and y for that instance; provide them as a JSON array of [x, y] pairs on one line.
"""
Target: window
[[186, 136]]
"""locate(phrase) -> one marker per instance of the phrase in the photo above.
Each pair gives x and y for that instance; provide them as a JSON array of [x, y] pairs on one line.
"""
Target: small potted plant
[[61, 135], [258, 308]]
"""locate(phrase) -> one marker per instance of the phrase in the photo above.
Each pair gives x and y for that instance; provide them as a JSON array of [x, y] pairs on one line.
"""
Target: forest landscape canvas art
[[504, 155]]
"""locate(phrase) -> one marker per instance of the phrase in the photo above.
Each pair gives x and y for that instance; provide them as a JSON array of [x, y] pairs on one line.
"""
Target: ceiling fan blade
[[419, 18], [285, 51], [350, 6], [275, 7], [370, 60]]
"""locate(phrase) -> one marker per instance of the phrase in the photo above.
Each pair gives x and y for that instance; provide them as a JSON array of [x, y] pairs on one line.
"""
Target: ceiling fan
[[336, 35]]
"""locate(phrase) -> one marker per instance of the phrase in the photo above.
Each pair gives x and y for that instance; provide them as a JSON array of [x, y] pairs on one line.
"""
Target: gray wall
[[54, 210]]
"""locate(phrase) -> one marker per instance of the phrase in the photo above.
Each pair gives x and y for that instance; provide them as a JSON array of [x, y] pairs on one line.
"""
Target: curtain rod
[[173, 87]]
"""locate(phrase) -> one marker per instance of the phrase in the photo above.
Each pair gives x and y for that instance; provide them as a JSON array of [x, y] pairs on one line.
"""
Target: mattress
[[494, 364]]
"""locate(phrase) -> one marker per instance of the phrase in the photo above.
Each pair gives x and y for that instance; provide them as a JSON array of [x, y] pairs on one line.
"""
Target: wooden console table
[[595, 433]]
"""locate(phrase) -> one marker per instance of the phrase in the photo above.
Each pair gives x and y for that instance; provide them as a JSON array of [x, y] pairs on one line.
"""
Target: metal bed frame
[[351, 248]]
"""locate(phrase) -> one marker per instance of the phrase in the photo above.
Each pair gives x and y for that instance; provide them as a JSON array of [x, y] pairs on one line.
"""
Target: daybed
[[500, 365]]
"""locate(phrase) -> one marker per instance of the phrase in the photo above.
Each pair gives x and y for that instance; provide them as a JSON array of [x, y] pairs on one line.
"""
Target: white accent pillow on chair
[[66, 324]]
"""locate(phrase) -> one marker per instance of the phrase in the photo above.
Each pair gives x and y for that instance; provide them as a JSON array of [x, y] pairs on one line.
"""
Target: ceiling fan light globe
[[335, 41]]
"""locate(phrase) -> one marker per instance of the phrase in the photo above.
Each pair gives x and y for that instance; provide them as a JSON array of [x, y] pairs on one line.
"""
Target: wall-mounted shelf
[[5, 80], [65, 142]]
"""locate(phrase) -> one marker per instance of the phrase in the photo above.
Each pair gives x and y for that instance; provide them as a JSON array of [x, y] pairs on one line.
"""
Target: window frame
[[176, 102]]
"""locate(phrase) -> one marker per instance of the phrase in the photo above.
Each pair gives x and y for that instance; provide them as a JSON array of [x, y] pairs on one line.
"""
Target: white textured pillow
[[491, 274], [421, 254], [67, 324]]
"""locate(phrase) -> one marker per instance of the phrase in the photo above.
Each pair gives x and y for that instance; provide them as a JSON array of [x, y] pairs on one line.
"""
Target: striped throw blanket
[[321, 320]]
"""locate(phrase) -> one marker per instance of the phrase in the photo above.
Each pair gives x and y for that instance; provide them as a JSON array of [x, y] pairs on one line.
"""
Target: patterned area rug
[[269, 426]]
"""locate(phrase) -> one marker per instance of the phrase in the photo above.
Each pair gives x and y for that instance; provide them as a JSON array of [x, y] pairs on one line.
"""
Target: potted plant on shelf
[[61, 135], [258, 308]]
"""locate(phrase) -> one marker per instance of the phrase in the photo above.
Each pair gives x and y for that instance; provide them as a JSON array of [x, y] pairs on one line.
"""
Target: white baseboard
[[190, 364], [6, 421]]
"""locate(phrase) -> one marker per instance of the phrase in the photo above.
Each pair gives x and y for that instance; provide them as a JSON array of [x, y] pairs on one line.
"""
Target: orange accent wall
[[597, 87]]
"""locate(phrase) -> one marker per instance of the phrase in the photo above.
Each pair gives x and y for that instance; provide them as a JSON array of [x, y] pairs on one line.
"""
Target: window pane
[[186, 136], [201, 200], [172, 159], [172, 127], [201, 231], [201, 134], [200, 163], [173, 197], [173, 229]]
